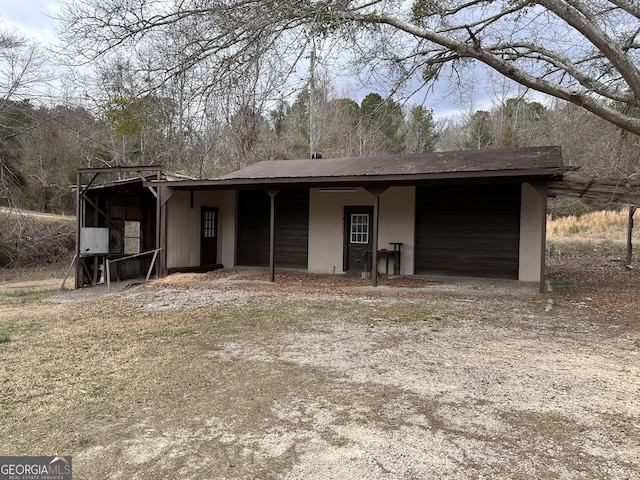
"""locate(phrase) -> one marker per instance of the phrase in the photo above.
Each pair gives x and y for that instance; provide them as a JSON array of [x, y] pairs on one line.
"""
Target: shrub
[[575, 228], [568, 206]]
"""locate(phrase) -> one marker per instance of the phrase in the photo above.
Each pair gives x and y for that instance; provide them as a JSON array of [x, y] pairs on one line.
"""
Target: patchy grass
[[561, 285], [10, 330], [25, 295], [546, 425]]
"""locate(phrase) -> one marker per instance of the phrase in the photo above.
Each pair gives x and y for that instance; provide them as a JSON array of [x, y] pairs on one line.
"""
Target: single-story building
[[466, 213]]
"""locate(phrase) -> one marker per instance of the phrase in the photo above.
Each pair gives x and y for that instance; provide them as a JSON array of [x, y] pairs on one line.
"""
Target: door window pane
[[209, 224], [359, 228]]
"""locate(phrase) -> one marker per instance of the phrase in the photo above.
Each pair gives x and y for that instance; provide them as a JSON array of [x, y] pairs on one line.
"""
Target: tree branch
[[585, 23], [577, 50], [511, 70]]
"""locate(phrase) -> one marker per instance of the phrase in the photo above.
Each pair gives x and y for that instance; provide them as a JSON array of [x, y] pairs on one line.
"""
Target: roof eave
[[360, 180]]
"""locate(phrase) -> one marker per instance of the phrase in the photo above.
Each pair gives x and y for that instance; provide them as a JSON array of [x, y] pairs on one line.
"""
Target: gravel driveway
[[225, 375]]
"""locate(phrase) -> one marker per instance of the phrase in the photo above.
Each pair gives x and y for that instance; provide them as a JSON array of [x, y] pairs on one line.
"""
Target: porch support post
[[78, 283], [376, 192], [160, 262], [164, 194], [272, 192], [80, 198], [543, 190]]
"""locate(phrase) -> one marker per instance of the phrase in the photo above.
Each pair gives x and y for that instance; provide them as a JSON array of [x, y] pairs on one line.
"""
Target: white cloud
[[32, 19]]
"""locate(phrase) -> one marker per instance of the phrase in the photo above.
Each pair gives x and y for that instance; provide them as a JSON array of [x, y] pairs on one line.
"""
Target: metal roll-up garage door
[[468, 230], [292, 228]]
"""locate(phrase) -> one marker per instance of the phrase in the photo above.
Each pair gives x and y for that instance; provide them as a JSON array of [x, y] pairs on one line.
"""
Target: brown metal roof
[[516, 160], [388, 170]]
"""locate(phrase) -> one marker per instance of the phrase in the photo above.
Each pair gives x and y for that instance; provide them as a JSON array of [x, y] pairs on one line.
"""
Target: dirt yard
[[226, 376]]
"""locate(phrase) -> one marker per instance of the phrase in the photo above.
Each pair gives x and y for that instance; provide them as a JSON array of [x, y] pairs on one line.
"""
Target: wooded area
[[41, 147]]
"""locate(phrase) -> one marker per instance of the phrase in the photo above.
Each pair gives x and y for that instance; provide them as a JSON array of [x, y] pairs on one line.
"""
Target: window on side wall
[[132, 237]]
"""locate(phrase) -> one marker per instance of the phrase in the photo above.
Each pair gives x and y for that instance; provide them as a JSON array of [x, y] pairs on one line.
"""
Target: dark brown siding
[[292, 228], [468, 230]]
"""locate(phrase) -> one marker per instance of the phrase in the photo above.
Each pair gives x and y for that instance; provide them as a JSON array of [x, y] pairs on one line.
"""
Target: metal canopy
[[82, 189], [606, 189]]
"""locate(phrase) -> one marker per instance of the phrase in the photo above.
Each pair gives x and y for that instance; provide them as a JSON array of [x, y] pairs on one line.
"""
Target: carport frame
[[81, 191]]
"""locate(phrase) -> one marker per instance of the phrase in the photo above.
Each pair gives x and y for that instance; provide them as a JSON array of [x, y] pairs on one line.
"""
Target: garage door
[[468, 230], [292, 228]]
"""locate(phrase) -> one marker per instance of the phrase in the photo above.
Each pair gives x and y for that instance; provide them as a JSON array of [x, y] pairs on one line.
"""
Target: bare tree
[[583, 51], [21, 74], [21, 68]]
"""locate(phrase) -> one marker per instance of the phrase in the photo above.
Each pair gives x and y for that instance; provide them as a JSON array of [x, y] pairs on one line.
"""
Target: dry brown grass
[[600, 226], [602, 234]]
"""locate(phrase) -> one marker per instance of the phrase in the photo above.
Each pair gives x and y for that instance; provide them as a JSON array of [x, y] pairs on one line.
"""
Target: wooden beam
[[86, 270], [612, 190], [78, 283], [161, 263], [98, 209], [134, 168], [374, 245], [153, 189], [86, 187], [542, 190]]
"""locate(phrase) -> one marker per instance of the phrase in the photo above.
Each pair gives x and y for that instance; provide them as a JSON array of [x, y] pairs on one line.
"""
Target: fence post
[[632, 211], [153, 261], [108, 274]]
